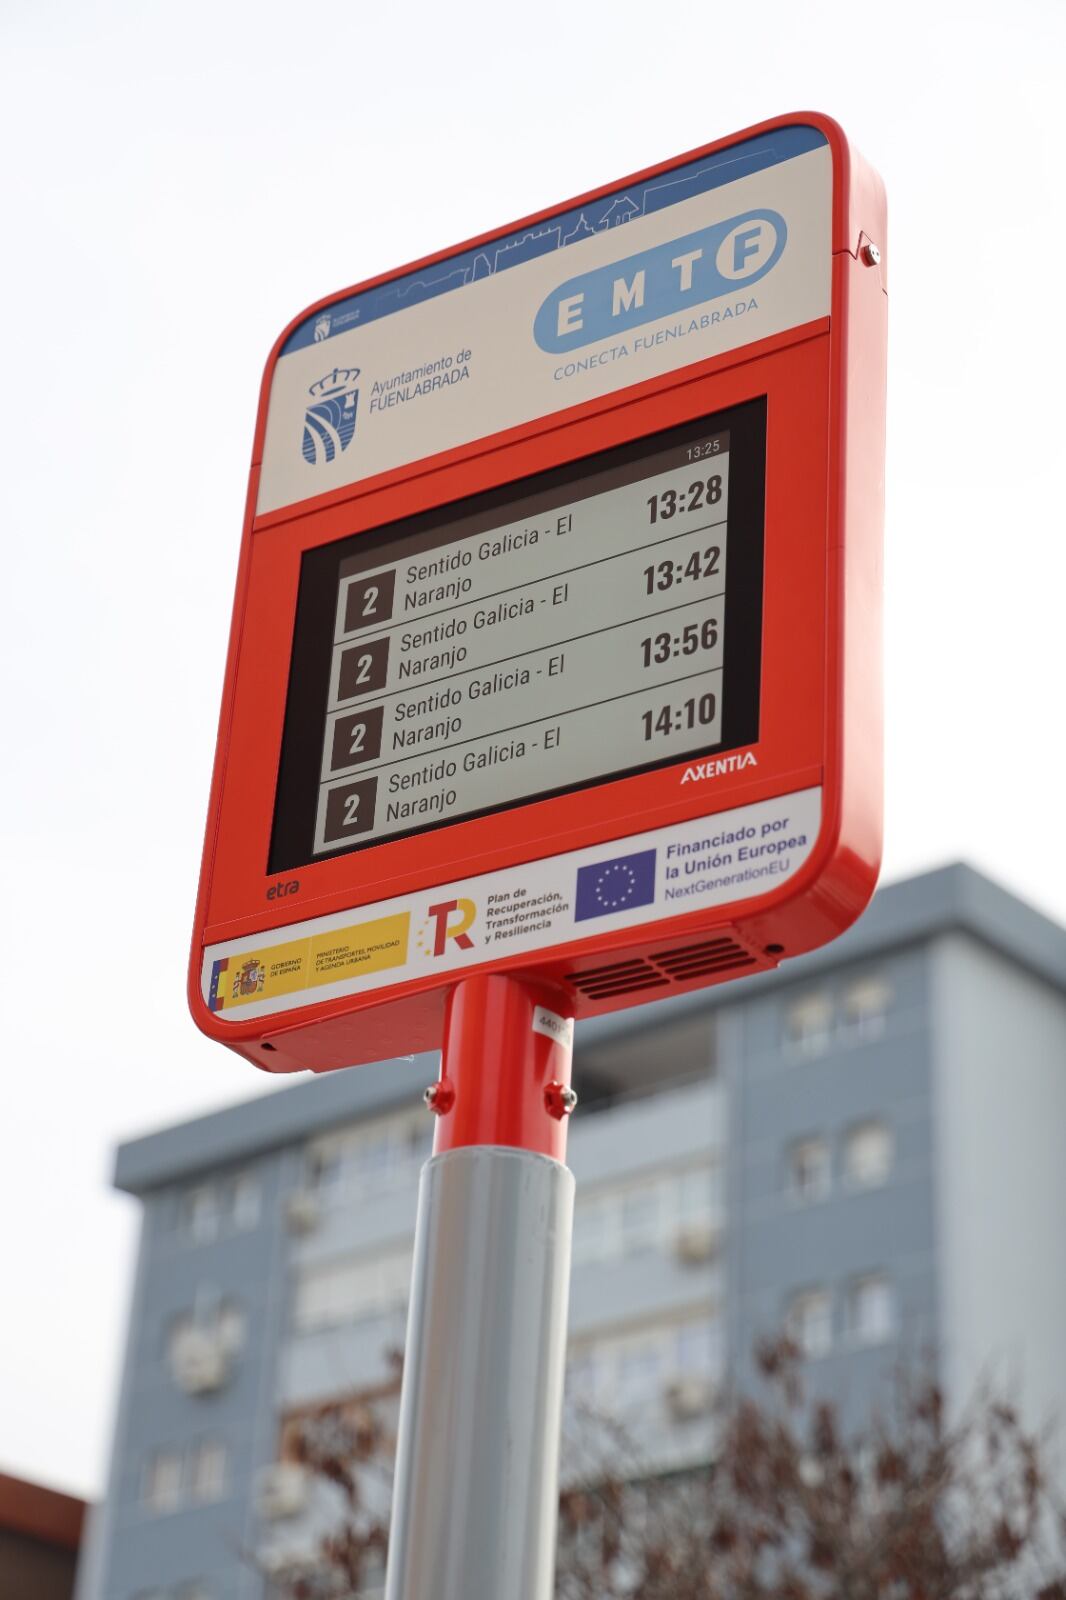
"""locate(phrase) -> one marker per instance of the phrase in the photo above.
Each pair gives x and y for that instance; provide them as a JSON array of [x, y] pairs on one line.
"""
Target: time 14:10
[[697, 497], [692, 713]]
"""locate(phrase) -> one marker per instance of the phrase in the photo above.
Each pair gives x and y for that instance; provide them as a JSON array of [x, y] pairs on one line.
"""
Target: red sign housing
[[556, 641]]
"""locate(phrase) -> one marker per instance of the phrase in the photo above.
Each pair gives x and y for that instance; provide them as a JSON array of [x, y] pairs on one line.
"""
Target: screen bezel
[[795, 373], [299, 773]]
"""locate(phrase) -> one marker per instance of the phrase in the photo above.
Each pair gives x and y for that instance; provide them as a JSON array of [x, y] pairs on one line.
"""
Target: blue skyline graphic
[[560, 232]]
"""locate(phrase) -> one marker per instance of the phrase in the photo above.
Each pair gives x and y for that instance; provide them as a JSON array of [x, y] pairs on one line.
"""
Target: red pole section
[[505, 1067]]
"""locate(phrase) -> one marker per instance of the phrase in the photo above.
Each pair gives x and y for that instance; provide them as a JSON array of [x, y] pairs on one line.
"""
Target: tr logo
[[329, 421], [451, 919]]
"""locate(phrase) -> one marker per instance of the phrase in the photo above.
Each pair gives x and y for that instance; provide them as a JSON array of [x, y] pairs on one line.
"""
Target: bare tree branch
[[913, 1507]]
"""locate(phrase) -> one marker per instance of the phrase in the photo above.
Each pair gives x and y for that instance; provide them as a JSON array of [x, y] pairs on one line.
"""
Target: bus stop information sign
[[556, 639], [553, 687]]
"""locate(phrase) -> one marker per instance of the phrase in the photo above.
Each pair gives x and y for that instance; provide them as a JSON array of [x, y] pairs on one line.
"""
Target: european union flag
[[615, 885]]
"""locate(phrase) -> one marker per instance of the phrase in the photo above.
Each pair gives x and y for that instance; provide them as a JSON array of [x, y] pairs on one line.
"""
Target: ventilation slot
[[622, 977], [700, 960], [672, 966]]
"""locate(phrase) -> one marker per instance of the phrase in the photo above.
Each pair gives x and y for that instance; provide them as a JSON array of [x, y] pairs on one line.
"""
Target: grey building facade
[[864, 1146]]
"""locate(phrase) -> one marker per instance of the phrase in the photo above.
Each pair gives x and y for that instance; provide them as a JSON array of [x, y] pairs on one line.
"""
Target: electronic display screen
[[584, 624]]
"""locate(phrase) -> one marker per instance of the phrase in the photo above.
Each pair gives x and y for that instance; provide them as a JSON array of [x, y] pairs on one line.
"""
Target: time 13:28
[[697, 497]]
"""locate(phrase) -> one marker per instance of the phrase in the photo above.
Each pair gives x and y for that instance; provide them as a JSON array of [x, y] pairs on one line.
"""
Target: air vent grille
[[702, 960], [621, 977], [697, 960]]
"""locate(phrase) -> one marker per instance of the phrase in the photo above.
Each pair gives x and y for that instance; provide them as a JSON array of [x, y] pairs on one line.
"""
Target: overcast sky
[[180, 180]]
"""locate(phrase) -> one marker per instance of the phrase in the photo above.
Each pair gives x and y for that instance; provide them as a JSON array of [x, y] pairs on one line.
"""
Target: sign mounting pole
[[475, 1501]]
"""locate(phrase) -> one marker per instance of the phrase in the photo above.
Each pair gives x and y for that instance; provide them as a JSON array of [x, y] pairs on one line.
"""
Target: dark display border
[[306, 706]]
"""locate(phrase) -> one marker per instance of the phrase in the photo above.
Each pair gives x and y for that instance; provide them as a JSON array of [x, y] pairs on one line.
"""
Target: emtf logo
[[329, 421], [662, 281]]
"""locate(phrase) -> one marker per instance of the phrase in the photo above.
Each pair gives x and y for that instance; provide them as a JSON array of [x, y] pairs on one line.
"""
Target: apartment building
[[864, 1146]]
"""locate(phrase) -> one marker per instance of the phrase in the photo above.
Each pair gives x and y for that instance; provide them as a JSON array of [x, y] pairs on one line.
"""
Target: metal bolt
[[559, 1100], [870, 253], [439, 1098]]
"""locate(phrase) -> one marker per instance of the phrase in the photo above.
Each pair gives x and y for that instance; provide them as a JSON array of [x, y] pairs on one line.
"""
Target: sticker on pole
[[559, 1029]]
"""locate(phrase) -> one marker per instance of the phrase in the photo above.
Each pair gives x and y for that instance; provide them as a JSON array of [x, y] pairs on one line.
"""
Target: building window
[[865, 1006], [642, 1208], [196, 1475], [697, 1195], [211, 1210], [322, 1165], [650, 1213], [245, 1202], [642, 1368], [871, 1312], [163, 1481], [594, 1228], [630, 1369], [200, 1214], [207, 1471], [810, 1322], [809, 1024], [203, 1344], [371, 1157], [215, 1316], [231, 1324], [808, 1170], [581, 1378], [868, 1154], [353, 1289], [698, 1346]]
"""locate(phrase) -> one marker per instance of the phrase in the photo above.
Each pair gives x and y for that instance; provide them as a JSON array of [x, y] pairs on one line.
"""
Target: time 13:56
[[662, 647]]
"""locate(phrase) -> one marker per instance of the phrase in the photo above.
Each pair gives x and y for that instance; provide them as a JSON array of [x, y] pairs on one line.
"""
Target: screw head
[[870, 253], [439, 1098], [559, 1100]]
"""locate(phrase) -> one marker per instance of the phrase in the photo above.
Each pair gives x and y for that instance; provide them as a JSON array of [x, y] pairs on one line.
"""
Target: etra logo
[[329, 422], [451, 919]]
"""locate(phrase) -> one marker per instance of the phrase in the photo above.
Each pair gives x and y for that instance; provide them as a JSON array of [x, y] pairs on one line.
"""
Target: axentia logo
[[661, 281], [329, 421]]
